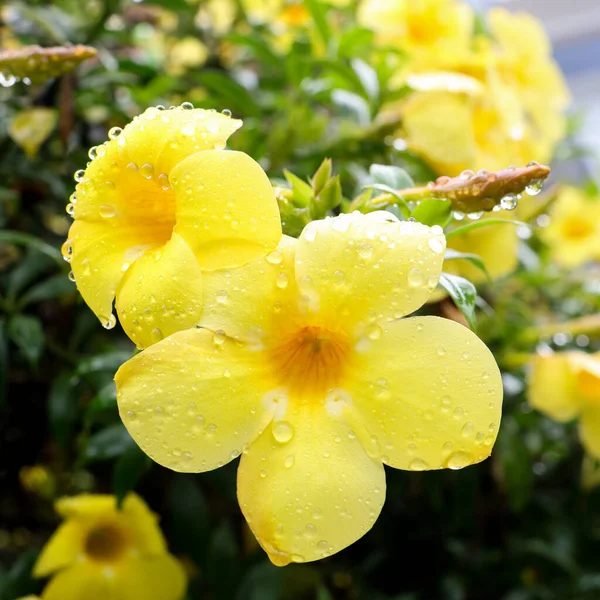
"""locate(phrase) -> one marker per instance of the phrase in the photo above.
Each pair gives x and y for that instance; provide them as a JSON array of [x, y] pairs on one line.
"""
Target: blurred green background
[[516, 527]]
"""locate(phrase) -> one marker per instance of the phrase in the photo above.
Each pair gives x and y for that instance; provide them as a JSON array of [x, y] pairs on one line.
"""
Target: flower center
[[311, 362], [106, 543], [577, 229]]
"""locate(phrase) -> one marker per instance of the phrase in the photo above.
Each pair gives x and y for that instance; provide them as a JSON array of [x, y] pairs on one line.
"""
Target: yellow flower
[[431, 31], [100, 552], [566, 386], [303, 365], [574, 230], [160, 203], [457, 122]]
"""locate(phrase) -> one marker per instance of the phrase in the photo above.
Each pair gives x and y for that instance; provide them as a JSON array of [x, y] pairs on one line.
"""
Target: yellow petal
[[195, 400], [143, 523], [83, 580], [439, 126], [86, 506], [254, 301], [157, 578], [552, 387], [430, 391], [358, 270], [138, 162], [61, 550], [101, 253], [308, 488], [161, 293], [225, 208], [589, 428], [496, 245]]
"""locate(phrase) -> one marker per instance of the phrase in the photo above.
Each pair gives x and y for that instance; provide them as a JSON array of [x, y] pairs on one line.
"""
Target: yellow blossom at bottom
[[102, 553], [566, 386], [574, 230], [303, 365]]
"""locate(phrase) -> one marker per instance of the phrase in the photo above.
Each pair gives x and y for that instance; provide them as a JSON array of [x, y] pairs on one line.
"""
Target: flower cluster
[[292, 353]]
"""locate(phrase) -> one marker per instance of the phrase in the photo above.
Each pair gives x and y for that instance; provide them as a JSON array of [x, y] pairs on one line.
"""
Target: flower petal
[[100, 254], [130, 173], [225, 208], [366, 269], [255, 300], [143, 523], [589, 430], [552, 386], [82, 580], [429, 390], [158, 578], [161, 293], [311, 494], [62, 549], [194, 400]]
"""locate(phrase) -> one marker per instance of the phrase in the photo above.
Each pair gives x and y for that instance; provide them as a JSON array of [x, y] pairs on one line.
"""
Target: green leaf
[[3, 362], [229, 91], [57, 285], [258, 45], [474, 259], [263, 581], [479, 224], [394, 177], [130, 467], [105, 400], [27, 334], [24, 239], [352, 105], [302, 191], [318, 12], [392, 192], [63, 408], [321, 176], [368, 79], [110, 361], [433, 212], [108, 443], [27, 269], [329, 198], [464, 294]]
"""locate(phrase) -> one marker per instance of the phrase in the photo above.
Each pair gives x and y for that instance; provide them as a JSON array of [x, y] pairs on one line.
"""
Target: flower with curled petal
[[566, 386], [303, 365], [160, 203], [102, 552]]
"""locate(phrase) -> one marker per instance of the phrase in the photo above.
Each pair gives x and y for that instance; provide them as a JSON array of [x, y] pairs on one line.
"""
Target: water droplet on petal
[[289, 461], [114, 132], [163, 181], [187, 106], [415, 277], [458, 460], [365, 250], [226, 112], [275, 257], [108, 322], [416, 464], [71, 276], [459, 216], [509, 202], [219, 337], [283, 431], [70, 208], [535, 187], [107, 212], [79, 175], [475, 216], [221, 296], [436, 245], [147, 170], [282, 280], [263, 473]]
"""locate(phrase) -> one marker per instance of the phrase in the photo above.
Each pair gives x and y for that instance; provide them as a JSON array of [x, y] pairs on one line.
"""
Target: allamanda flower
[[160, 203], [103, 553], [308, 371], [566, 386], [574, 230]]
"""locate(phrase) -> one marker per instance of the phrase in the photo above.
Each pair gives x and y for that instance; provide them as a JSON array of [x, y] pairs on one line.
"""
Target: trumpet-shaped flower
[[566, 386], [431, 31], [303, 365], [160, 203], [100, 552], [574, 230]]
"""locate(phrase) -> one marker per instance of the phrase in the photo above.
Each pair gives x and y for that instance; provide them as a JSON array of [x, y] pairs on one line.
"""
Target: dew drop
[[107, 212], [219, 337], [114, 132], [416, 464], [509, 202], [147, 170], [79, 175], [459, 216], [188, 128], [365, 250], [436, 245], [157, 335], [535, 187], [226, 112], [458, 460], [475, 216], [108, 323], [415, 277], [283, 431], [289, 461], [282, 280], [467, 430], [221, 296], [187, 106], [93, 152], [263, 473], [71, 276], [70, 208], [274, 257], [163, 181]]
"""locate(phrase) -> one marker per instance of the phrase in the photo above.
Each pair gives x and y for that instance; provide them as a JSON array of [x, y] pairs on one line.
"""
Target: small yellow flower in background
[[574, 230], [30, 128], [100, 552], [566, 386], [428, 30], [160, 203], [303, 365]]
